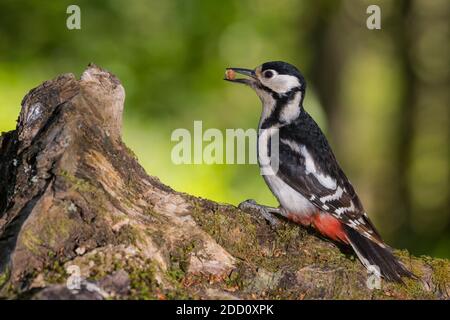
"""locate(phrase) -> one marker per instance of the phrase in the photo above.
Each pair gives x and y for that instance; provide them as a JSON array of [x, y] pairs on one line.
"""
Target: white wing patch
[[310, 168], [340, 211], [294, 146], [335, 196]]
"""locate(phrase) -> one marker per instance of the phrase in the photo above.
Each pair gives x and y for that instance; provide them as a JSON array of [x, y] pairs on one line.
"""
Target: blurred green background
[[381, 96]]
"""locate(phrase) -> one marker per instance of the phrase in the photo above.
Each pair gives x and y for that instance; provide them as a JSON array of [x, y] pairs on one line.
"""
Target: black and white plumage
[[308, 182]]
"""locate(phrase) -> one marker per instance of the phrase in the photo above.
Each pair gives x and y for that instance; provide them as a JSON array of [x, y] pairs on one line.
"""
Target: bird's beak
[[230, 75]]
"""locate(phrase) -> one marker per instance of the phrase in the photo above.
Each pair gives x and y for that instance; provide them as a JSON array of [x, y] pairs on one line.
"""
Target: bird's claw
[[247, 204], [252, 206]]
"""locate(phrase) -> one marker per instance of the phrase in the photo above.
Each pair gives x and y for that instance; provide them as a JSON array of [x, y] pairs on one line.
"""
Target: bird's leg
[[266, 212]]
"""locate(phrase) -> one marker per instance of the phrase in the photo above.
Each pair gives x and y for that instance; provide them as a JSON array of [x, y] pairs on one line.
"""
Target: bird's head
[[273, 78]]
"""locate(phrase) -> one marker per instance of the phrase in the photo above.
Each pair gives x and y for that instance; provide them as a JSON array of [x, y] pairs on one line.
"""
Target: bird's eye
[[268, 74]]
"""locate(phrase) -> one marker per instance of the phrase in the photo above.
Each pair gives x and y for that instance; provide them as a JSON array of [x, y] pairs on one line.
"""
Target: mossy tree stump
[[72, 194]]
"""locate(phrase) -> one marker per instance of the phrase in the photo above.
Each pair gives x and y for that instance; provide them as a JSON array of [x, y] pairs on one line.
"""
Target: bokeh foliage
[[381, 96]]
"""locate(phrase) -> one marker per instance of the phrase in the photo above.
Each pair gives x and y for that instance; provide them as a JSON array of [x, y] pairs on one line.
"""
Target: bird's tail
[[373, 256]]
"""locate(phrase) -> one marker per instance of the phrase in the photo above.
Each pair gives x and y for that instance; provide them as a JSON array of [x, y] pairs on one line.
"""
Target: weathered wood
[[72, 194]]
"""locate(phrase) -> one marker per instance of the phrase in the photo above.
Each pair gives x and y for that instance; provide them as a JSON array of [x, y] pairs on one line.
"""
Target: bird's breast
[[291, 200]]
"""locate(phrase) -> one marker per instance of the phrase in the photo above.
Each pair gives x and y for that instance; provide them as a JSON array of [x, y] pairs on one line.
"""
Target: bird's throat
[[280, 110]]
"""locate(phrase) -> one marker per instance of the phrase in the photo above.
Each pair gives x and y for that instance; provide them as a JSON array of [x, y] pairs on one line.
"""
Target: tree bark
[[74, 197]]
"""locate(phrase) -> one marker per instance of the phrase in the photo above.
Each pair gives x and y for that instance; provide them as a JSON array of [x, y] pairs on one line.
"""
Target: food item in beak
[[230, 74]]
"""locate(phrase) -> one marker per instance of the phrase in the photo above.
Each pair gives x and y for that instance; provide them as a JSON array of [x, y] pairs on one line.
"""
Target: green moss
[[55, 231], [79, 184], [8, 291], [232, 229], [412, 289], [287, 233], [128, 235], [86, 187], [143, 284], [176, 274], [286, 247], [179, 259], [31, 241], [234, 279], [48, 232], [441, 273], [55, 273], [290, 248], [116, 218], [4, 276], [142, 273]]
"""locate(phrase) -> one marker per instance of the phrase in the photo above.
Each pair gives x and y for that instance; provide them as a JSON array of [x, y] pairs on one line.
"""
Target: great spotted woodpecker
[[309, 184]]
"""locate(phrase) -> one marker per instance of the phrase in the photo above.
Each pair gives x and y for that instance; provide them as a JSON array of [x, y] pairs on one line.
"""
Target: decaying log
[[72, 195]]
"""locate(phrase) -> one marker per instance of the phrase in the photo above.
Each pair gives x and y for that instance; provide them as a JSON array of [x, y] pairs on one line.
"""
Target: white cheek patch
[[310, 168], [281, 83]]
